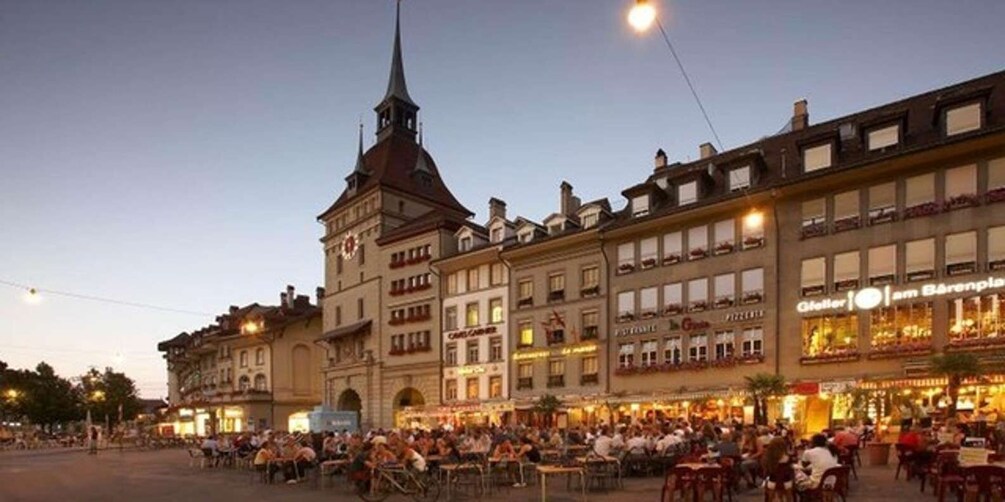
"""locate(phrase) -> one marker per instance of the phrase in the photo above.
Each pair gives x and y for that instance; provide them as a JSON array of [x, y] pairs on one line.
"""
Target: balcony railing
[[556, 296], [591, 379], [525, 383], [556, 381], [591, 332]]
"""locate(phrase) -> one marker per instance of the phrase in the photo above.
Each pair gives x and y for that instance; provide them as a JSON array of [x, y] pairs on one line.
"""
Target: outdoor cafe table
[[452, 469], [545, 470], [605, 460]]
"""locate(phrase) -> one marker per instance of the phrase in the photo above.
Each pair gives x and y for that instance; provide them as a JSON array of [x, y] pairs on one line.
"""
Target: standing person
[[94, 441]]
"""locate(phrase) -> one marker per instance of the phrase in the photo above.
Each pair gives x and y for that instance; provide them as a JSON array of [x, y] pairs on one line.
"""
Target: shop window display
[[830, 338], [901, 330], [977, 322]]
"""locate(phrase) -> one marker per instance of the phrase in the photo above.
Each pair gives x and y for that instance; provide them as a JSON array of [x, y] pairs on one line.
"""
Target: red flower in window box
[[996, 195], [673, 309], [961, 201], [926, 209], [698, 253], [648, 263], [625, 268], [751, 242], [723, 248]]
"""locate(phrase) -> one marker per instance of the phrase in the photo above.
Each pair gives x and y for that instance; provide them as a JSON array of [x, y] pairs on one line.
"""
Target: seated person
[[262, 458], [777, 465], [303, 459], [844, 438], [817, 459], [410, 458]]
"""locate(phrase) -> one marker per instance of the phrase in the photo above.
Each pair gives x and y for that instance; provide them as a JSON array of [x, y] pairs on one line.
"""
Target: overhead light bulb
[[641, 15], [32, 296]]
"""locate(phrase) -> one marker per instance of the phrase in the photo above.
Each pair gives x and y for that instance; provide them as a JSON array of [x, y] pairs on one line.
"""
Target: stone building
[[393, 217]]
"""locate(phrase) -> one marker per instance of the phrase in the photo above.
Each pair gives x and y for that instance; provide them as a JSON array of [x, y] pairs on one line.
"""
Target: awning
[[350, 330]]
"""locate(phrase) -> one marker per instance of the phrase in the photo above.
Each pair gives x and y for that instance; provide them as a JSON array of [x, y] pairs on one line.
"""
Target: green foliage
[[103, 393], [955, 367], [761, 386]]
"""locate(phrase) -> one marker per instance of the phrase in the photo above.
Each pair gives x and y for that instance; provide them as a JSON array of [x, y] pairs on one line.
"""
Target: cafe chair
[[711, 479], [833, 484], [678, 485], [981, 481], [905, 460]]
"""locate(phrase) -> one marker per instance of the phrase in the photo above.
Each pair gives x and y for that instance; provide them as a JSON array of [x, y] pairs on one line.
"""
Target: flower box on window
[[813, 230], [590, 292], [673, 309], [926, 209], [750, 297], [844, 224], [626, 317], [397, 264], [556, 381], [626, 268], [882, 215], [882, 280], [961, 201], [396, 321], [920, 275], [648, 263], [525, 383], [625, 370], [591, 333], [845, 285], [591, 379], [648, 314], [996, 195], [895, 350], [671, 259], [814, 290], [396, 292], [723, 248], [961, 268], [556, 296], [996, 265], [396, 351], [698, 306], [698, 253], [831, 357], [986, 343], [723, 302], [524, 302], [753, 241]]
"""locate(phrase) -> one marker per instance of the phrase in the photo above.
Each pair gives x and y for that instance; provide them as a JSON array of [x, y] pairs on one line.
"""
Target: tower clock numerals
[[350, 243]]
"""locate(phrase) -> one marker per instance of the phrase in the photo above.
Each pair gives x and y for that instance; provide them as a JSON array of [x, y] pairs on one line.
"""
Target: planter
[[878, 453]]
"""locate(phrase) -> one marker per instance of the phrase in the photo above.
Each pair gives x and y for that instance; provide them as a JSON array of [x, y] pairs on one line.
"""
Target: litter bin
[[879, 453]]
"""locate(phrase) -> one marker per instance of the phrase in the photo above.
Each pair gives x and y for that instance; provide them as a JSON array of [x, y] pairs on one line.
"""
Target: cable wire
[[666, 38], [104, 300]]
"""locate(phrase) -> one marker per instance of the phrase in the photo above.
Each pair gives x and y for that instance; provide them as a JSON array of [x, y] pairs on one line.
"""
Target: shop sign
[[872, 297], [470, 370], [837, 387], [564, 351], [635, 330], [805, 388], [468, 333], [747, 315], [689, 324]]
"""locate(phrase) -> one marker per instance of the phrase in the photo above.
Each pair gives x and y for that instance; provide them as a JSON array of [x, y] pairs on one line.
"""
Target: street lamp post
[[254, 329]]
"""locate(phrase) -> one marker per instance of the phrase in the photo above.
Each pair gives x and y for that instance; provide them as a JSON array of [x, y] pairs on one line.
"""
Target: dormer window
[[817, 157], [963, 119], [590, 220], [687, 193], [525, 237], [739, 178], [496, 235], [555, 229], [883, 137], [640, 206], [465, 244]]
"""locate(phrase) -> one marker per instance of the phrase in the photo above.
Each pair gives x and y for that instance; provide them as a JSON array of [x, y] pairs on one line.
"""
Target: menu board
[[973, 456]]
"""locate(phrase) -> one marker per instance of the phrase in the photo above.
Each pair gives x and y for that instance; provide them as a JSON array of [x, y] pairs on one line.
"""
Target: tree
[[762, 386], [48, 398], [955, 367], [104, 393], [612, 402], [547, 405]]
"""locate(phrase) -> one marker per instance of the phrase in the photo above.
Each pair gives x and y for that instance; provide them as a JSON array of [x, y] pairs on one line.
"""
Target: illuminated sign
[[468, 333], [689, 324], [470, 370], [564, 351], [871, 297]]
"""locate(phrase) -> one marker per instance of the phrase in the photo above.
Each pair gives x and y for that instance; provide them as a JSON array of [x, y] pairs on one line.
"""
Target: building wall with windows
[[475, 328], [558, 319]]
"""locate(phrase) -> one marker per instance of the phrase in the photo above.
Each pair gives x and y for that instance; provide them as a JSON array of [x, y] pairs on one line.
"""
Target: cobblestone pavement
[[166, 475]]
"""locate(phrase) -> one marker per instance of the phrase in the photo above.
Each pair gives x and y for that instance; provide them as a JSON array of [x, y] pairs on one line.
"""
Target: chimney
[[301, 302], [800, 115], [290, 296], [320, 295], [497, 208], [661, 159], [233, 308], [706, 150], [568, 202], [283, 300]]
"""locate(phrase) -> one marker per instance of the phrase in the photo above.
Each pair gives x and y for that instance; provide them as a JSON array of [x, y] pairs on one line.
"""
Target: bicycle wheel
[[376, 490], [425, 487]]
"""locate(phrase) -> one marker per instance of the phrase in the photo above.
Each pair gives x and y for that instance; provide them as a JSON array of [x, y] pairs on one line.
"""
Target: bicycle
[[390, 479]]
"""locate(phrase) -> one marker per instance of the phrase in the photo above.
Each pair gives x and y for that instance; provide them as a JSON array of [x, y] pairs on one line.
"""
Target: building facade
[[475, 328], [558, 312], [393, 217], [256, 368]]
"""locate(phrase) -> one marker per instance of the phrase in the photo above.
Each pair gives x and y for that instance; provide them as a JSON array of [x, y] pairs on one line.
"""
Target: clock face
[[349, 244]]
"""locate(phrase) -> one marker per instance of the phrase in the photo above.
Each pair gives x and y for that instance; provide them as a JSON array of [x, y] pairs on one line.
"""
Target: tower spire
[[396, 112], [396, 86], [360, 165]]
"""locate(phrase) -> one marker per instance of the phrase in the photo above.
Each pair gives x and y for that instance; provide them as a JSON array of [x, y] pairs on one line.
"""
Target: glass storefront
[[977, 320], [830, 335], [902, 326]]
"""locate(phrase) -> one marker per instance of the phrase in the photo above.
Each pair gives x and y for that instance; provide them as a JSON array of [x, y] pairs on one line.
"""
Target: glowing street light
[[98, 395], [250, 327], [12, 394], [754, 219], [641, 15]]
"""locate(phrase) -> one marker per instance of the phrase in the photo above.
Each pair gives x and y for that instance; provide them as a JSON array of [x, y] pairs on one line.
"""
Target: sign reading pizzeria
[[872, 297], [747, 315], [468, 333]]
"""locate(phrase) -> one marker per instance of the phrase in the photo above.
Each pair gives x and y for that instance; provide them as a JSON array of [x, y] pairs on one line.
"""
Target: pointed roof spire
[[396, 83], [360, 165], [420, 163]]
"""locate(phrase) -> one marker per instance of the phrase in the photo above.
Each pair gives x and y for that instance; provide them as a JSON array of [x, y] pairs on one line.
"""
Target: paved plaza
[[150, 476]]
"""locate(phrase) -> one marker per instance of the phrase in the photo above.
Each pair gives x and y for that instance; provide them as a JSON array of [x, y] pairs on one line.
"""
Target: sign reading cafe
[[871, 297]]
